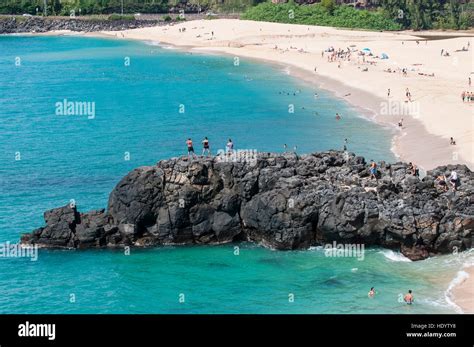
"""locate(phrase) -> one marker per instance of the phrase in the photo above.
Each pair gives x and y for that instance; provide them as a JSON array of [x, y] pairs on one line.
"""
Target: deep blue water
[[48, 159]]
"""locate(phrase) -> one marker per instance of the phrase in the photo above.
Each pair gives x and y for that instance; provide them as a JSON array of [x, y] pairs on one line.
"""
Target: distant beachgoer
[[408, 94], [371, 293], [205, 146], [338, 117], [388, 92], [452, 142], [453, 179], [408, 297], [189, 143], [442, 52], [413, 170], [400, 123], [373, 170], [230, 146], [463, 96], [416, 171], [285, 146], [469, 81]]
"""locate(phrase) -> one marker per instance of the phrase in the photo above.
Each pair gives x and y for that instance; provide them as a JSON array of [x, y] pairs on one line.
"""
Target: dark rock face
[[282, 201], [12, 25]]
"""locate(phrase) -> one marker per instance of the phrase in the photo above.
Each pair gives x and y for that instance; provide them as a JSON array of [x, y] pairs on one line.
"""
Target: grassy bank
[[317, 14]]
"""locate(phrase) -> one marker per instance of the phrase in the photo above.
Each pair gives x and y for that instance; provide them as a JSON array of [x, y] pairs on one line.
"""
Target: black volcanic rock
[[14, 24], [282, 201]]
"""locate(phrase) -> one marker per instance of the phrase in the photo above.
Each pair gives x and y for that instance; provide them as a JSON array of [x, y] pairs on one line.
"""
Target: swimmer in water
[[371, 293], [408, 298], [338, 117]]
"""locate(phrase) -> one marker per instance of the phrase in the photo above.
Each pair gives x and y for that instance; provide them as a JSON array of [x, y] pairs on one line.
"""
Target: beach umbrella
[[366, 49]]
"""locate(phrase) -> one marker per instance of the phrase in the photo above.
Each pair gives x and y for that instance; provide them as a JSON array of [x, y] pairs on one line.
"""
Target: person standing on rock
[[206, 148], [408, 297], [230, 147], [453, 179], [373, 170], [189, 143]]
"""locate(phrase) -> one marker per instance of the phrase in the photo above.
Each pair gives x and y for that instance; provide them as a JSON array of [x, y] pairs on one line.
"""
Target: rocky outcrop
[[282, 201], [12, 24]]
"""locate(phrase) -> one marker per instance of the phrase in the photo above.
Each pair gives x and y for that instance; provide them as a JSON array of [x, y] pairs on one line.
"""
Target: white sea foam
[[153, 43], [287, 70], [460, 277], [394, 256]]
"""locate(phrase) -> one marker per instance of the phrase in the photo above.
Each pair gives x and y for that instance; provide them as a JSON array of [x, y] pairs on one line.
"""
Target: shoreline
[[461, 290]]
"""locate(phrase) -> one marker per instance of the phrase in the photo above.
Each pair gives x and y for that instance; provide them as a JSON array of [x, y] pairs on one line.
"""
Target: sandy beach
[[435, 113], [463, 292]]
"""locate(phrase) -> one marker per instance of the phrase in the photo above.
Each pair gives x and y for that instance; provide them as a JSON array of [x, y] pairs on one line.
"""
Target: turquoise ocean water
[[140, 92]]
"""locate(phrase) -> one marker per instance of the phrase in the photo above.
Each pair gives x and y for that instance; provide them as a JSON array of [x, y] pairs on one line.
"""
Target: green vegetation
[[322, 14], [87, 7], [387, 15], [390, 15], [428, 14]]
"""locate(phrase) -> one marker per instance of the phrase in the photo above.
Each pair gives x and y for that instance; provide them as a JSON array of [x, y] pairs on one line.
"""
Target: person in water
[[205, 146], [189, 143], [371, 293], [408, 298], [338, 117], [230, 146]]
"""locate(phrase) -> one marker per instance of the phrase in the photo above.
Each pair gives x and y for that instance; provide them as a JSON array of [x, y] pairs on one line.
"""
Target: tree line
[[428, 14], [406, 14]]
